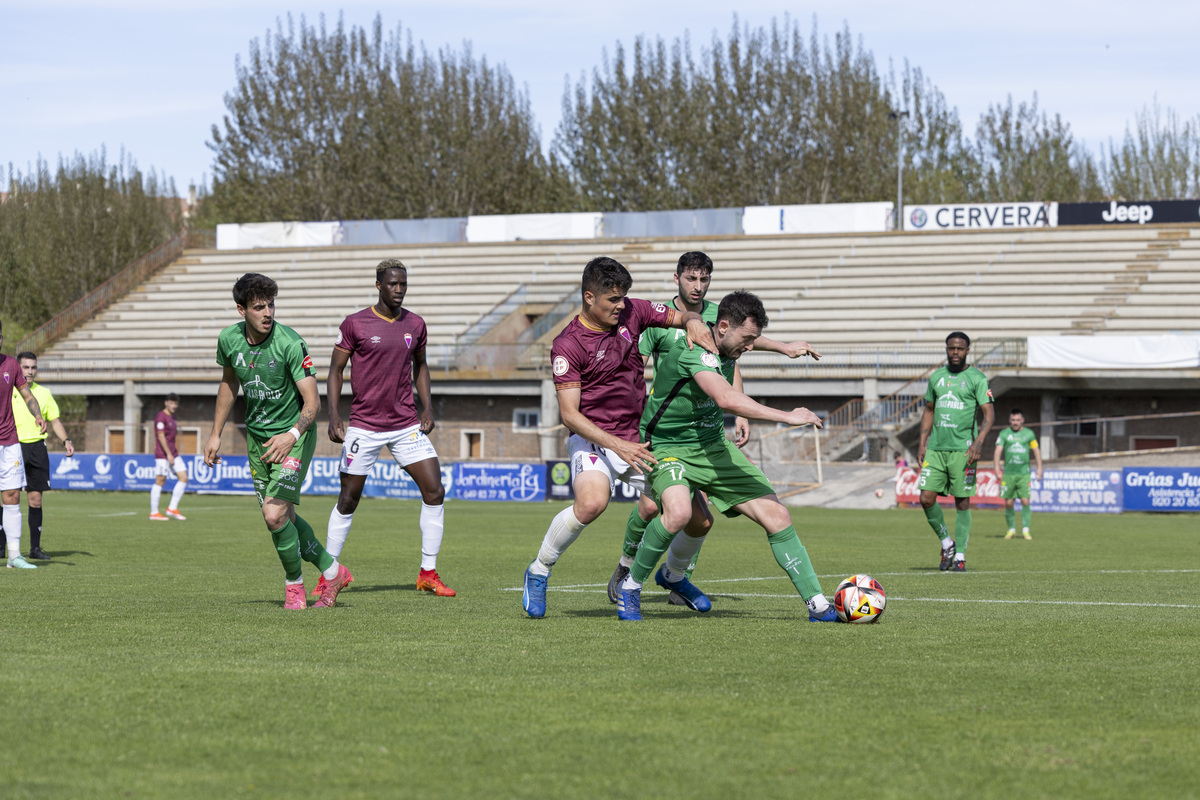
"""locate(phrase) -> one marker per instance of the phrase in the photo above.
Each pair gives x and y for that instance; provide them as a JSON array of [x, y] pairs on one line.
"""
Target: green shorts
[[947, 472], [1013, 485], [282, 481], [720, 469]]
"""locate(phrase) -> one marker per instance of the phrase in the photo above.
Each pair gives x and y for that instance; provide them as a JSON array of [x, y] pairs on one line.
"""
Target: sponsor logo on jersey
[[709, 360], [241, 359], [560, 365], [600, 353], [375, 340], [408, 340], [307, 363], [291, 462]]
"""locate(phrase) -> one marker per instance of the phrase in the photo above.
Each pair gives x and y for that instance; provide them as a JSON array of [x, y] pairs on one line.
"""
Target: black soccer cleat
[[947, 557], [38, 554], [614, 583], [960, 565]]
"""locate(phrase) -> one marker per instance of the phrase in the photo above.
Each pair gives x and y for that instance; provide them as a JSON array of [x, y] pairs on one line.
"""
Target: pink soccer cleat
[[330, 592], [293, 597]]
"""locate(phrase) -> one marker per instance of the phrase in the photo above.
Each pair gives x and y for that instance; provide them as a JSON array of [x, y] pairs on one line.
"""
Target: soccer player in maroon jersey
[[598, 375], [166, 459], [12, 465], [387, 345]]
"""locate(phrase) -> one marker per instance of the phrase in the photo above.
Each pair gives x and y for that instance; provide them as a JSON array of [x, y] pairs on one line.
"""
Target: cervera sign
[[980, 216], [1136, 212]]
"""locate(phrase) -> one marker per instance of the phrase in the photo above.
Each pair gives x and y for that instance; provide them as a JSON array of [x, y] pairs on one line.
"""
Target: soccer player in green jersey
[[271, 364], [951, 443], [683, 425], [1011, 462], [693, 277]]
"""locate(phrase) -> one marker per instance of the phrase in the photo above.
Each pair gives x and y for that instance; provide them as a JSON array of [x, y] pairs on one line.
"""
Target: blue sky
[[151, 76]]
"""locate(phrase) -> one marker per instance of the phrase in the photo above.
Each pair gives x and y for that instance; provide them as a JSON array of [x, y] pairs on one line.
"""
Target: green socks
[[311, 549], [635, 529], [962, 530], [792, 556], [287, 544], [1026, 514], [654, 543], [1010, 516], [937, 521]]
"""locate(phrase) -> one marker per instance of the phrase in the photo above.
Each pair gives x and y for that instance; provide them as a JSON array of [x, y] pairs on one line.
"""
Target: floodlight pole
[[898, 213]]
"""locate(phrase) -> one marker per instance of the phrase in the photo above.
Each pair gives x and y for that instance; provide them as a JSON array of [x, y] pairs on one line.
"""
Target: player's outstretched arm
[[976, 448], [635, 454], [333, 393], [424, 393], [926, 429], [789, 349], [34, 408], [276, 449], [226, 394], [734, 402]]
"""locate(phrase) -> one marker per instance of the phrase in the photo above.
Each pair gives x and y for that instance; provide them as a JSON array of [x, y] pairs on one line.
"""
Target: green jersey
[[1017, 447], [956, 398], [678, 411], [657, 341], [268, 372]]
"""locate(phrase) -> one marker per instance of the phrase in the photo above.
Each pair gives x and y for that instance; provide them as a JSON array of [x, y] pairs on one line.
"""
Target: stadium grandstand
[[877, 306]]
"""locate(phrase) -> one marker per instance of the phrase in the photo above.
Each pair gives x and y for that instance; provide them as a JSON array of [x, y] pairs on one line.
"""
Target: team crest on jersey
[[408, 340], [560, 365], [593, 459], [271, 365], [338, 339], [625, 334], [307, 363], [709, 360], [989, 392], [7, 378]]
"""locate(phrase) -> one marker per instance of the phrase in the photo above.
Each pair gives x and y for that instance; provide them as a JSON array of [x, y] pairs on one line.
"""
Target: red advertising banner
[[987, 488]]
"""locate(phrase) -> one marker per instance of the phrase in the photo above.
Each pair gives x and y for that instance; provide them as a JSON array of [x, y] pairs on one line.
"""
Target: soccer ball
[[859, 598], [879, 492]]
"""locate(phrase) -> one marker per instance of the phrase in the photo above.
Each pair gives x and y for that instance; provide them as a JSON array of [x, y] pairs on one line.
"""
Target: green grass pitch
[[155, 660]]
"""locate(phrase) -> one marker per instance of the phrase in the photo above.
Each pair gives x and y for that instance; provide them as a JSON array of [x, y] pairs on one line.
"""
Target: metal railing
[[103, 295]]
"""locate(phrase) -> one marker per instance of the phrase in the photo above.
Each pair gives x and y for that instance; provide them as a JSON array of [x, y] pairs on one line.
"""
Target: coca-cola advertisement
[[987, 488]]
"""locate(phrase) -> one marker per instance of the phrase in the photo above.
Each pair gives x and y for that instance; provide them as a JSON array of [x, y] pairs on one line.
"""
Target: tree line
[[327, 123]]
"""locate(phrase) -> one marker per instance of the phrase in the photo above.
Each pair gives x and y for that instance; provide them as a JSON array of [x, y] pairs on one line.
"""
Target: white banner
[[513, 227], [277, 234], [1114, 352], [980, 216], [829, 218]]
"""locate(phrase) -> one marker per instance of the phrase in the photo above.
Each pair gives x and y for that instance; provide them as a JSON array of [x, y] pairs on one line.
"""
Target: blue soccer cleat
[[828, 615], [629, 605], [533, 599], [692, 597]]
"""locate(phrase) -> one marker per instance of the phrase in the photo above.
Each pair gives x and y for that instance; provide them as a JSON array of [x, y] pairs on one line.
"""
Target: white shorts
[[588, 457], [361, 448], [168, 468], [12, 467]]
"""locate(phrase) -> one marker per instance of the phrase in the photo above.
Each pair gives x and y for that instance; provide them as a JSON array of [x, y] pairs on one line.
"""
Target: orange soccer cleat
[[429, 581], [330, 592]]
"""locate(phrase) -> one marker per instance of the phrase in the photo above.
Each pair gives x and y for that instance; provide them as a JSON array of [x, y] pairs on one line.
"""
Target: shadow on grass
[[62, 553], [391, 587]]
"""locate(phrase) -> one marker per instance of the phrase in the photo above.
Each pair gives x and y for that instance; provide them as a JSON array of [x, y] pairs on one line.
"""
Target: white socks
[[818, 603], [176, 496], [432, 525], [155, 497], [12, 529], [332, 572], [564, 529], [339, 529], [680, 554]]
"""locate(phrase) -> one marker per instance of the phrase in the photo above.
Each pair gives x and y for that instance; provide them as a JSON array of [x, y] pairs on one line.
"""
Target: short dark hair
[[737, 307], [604, 273], [172, 396], [253, 286], [959, 335], [1016, 411], [24, 354], [694, 259], [385, 265]]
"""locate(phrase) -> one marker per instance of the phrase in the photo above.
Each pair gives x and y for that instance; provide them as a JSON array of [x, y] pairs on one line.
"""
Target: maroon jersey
[[381, 372], [13, 378], [165, 423], [607, 368]]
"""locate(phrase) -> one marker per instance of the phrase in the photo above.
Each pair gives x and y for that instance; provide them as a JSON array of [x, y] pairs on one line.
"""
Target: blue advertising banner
[[135, 473], [1161, 488], [1095, 491], [488, 481]]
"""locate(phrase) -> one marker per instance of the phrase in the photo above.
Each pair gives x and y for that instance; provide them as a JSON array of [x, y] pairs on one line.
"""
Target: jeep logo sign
[[1135, 212]]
